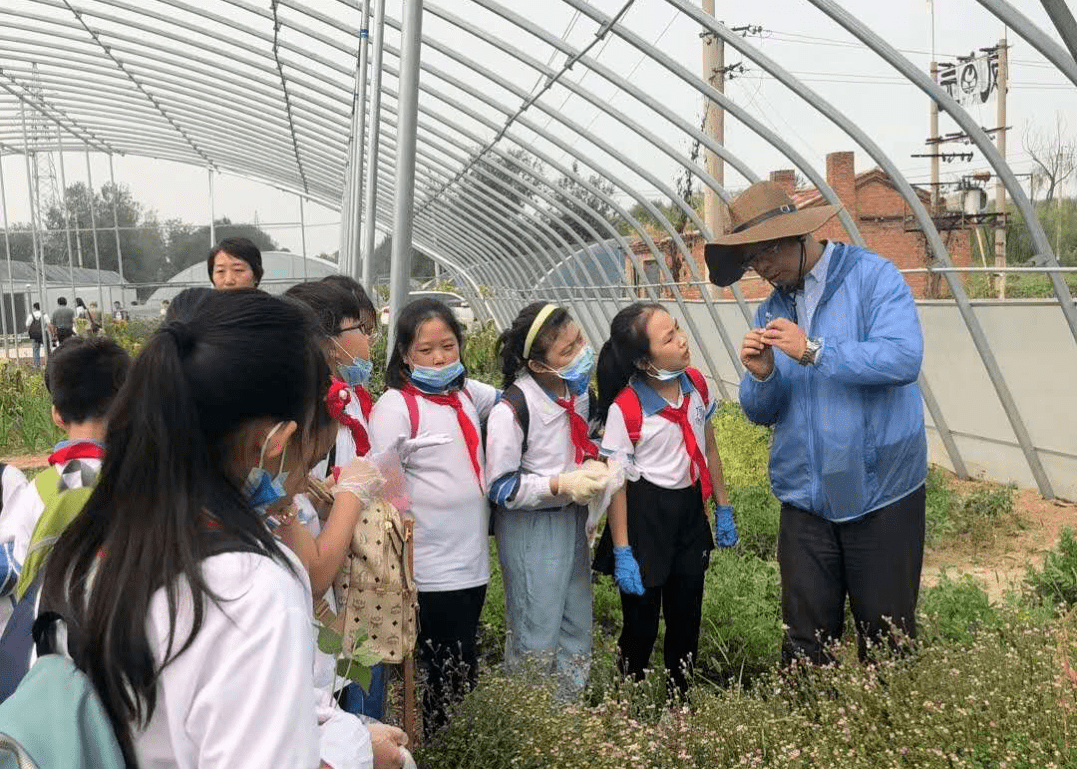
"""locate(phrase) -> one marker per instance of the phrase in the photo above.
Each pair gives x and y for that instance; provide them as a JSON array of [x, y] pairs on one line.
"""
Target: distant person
[[119, 314], [62, 325], [36, 324], [234, 263], [164, 308], [82, 317]]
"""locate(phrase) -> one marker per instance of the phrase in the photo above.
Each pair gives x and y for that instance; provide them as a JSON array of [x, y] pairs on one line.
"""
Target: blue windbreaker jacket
[[849, 431]]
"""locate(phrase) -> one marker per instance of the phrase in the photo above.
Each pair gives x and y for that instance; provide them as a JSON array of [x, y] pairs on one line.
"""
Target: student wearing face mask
[[430, 394], [196, 627], [657, 539], [542, 469]]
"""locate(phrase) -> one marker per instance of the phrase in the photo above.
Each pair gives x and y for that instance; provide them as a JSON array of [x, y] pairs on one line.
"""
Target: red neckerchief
[[698, 468], [468, 431], [336, 399], [579, 432], [77, 450]]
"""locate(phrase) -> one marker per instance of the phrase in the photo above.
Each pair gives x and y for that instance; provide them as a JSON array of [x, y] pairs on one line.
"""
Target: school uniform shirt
[[23, 510], [660, 454], [519, 481], [448, 502], [242, 695]]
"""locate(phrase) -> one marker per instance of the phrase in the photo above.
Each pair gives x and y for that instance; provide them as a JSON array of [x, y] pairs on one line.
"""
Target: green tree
[[586, 204], [188, 245]]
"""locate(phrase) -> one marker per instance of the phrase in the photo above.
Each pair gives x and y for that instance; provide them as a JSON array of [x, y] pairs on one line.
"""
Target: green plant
[[955, 609], [976, 518], [1055, 582], [26, 424], [743, 446]]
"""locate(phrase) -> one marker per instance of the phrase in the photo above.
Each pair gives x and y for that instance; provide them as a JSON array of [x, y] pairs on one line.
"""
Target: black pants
[[876, 561], [680, 598], [448, 624]]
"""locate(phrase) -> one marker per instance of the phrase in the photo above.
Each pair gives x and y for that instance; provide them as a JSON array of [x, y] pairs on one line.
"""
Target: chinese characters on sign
[[971, 82]]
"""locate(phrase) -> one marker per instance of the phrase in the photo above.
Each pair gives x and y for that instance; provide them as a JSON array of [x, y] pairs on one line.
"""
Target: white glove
[[405, 447], [582, 484], [361, 478]]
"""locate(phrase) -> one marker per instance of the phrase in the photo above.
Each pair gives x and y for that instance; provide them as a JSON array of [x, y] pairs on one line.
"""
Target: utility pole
[[935, 159], [999, 205], [712, 65]]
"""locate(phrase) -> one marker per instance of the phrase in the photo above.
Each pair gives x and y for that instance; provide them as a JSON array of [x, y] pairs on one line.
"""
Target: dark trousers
[[680, 596], [876, 561], [448, 624]]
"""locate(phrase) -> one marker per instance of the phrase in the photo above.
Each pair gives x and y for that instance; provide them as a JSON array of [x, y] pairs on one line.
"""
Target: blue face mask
[[436, 378], [356, 374], [261, 490], [665, 375], [578, 371]]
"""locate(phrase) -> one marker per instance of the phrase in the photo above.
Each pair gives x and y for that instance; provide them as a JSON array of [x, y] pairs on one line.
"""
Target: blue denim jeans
[[355, 700]]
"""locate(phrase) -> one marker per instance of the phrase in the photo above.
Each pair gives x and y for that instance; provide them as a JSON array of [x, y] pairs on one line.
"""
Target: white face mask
[[664, 375]]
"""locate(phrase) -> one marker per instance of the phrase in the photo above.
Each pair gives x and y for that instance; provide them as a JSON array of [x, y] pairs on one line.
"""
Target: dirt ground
[[1003, 564]]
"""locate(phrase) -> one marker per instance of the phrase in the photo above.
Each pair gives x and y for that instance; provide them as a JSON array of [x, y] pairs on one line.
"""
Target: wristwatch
[[813, 346]]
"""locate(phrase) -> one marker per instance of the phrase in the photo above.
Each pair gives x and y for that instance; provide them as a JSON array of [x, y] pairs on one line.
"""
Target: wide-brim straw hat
[[763, 212]]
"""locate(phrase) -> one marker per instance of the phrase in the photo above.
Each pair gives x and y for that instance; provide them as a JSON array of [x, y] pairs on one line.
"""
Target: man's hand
[[756, 354], [785, 335]]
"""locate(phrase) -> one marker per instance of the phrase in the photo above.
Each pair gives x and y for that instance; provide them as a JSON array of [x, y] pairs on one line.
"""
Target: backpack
[[61, 507], [375, 591], [55, 720], [630, 404], [34, 330]]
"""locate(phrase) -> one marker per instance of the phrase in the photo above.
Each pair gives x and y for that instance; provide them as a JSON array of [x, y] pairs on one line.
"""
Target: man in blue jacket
[[832, 363]]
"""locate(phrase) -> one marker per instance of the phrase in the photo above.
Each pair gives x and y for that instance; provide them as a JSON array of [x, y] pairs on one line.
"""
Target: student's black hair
[[184, 305], [349, 284], [408, 323], [84, 375], [510, 346], [168, 495], [624, 349], [240, 248], [61, 301], [79, 303], [330, 303], [37, 306]]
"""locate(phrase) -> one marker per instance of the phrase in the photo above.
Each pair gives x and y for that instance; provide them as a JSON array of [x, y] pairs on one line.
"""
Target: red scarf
[[468, 430], [336, 399], [579, 432], [77, 450], [698, 469]]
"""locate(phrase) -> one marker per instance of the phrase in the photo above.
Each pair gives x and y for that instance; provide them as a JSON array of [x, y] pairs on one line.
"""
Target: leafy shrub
[[757, 515], [25, 411], [1055, 583], [977, 518], [743, 446], [955, 609]]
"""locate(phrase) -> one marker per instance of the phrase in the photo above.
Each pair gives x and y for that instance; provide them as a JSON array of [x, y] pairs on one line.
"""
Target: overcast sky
[[805, 41]]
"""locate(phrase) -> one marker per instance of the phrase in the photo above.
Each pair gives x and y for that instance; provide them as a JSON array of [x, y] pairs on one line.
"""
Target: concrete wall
[[1035, 352]]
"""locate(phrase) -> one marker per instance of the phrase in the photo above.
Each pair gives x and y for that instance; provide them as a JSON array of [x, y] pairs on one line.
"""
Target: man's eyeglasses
[[765, 253]]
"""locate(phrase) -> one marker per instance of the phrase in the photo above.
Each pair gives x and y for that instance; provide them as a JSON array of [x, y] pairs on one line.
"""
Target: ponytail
[[167, 496], [620, 354], [510, 347]]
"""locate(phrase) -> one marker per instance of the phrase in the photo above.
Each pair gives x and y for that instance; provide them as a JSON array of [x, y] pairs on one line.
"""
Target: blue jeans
[[355, 700], [37, 352]]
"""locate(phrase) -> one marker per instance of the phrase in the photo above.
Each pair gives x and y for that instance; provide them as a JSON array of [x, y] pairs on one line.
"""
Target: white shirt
[[36, 315], [450, 506], [522, 482], [806, 301], [660, 454]]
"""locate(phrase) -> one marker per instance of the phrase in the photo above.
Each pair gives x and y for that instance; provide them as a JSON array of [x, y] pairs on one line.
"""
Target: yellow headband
[[538, 322]]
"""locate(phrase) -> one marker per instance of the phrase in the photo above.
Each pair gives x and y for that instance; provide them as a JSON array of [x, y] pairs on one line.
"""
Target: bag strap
[[630, 405], [698, 380], [414, 413], [515, 398]]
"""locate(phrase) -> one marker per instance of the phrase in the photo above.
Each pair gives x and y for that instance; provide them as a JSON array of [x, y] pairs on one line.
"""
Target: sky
[[794, 33]]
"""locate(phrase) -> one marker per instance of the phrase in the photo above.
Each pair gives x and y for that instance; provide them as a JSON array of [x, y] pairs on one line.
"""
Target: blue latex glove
[[726, 533], [627, 572]]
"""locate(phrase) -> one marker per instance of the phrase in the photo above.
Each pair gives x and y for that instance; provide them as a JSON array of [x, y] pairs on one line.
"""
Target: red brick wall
[[877, 208]]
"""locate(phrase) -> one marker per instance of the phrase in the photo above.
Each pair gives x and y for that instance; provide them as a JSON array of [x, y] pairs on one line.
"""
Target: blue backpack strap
[[18, 641]]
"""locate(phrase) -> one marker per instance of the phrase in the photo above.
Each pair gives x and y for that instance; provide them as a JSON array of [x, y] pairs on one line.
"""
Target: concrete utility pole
[[999, 205], [712, 66], [935, 157]]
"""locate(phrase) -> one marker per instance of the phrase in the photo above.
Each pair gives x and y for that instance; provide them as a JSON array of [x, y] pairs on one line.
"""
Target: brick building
[[883, 217]]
